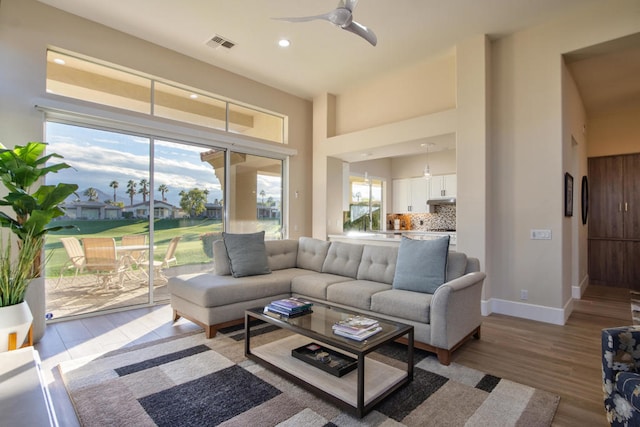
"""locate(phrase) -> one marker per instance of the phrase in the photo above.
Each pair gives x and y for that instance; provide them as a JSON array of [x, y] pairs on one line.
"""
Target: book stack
[[357, 328], [289, 307]]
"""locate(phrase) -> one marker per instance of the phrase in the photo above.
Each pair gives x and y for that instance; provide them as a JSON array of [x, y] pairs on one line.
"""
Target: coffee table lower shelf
[[380, 378]]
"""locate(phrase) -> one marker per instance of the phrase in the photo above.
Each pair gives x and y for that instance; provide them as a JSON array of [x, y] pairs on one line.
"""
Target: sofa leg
[[210, 331], [176, 315], [444, 356], [477, 333]]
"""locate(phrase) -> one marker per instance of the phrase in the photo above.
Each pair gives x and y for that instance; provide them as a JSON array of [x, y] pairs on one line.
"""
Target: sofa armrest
[[455, 309]]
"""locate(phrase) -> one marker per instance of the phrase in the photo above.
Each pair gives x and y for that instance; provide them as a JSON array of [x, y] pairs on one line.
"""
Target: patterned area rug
[[192, 381]]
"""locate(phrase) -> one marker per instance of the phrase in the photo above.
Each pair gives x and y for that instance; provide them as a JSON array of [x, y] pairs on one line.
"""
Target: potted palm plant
[[34, 206]]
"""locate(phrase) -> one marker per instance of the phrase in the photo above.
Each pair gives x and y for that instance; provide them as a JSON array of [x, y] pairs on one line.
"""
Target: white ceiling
[[321, 58]]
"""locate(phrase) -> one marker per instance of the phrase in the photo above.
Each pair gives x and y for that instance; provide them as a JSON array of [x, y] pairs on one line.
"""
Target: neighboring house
[[268, 212], [214, 210], [91, 210], [161, 210]]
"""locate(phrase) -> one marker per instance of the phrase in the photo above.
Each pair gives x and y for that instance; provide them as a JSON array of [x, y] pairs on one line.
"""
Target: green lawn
[[190, 249]]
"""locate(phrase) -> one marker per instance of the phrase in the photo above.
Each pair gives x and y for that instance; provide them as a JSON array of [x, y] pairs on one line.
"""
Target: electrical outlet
[[544, 234], [524, 295]]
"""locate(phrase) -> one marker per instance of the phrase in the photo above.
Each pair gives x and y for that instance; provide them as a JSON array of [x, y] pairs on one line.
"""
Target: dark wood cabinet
[[614, 220], [606, 194], [631, 204], [606, 261]]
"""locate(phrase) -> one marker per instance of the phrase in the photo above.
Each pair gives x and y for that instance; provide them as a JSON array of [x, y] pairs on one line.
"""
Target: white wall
[[28, 28], [575, 233], [614, 132], [416, 90], [440, 163], [529, 155]]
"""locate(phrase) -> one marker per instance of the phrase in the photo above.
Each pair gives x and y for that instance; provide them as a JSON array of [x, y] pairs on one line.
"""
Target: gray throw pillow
[[247, 254], [421, 265]]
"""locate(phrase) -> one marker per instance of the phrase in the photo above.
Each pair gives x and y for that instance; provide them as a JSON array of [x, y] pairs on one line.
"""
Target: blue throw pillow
[[421, 265], [247, 254]]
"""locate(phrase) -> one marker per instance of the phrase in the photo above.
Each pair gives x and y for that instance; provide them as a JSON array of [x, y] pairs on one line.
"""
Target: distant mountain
[[103, 197]]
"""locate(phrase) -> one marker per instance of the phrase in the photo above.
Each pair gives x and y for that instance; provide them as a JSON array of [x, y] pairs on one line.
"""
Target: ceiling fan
[[342, 17]]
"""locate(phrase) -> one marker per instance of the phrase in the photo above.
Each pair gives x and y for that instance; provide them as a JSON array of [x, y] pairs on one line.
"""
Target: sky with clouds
[[99, 157]]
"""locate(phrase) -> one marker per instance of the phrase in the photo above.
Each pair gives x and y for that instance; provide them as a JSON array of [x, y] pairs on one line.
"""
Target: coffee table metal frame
[[303, 325]]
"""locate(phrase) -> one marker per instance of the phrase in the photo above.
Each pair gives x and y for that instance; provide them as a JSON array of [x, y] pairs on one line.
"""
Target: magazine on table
[[360, 337], [355, 325], [292, 304], [277, 312]]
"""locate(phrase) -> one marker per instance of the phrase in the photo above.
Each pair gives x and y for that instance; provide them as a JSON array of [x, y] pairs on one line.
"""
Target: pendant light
[[427, 171]]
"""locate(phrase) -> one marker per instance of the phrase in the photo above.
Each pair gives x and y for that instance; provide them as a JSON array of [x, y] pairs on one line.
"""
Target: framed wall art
[[585, 199], [568, 194]]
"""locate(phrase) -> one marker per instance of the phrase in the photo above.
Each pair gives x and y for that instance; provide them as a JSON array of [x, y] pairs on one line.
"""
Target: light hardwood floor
[[561, 359]]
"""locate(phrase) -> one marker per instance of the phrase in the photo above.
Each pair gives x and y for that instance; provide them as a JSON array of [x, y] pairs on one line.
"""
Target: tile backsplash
[[444, 218]]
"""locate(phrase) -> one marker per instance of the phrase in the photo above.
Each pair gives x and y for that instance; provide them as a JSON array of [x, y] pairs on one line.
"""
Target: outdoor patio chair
[[169, 257], [76, 257], [102, 260]]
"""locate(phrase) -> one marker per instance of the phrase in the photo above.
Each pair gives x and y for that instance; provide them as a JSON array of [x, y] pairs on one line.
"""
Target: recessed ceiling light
[[284, 43], [59, 61], [193, 96]]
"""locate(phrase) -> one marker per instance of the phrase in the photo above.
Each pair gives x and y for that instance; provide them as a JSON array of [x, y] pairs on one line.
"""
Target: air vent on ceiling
[[218, 41]]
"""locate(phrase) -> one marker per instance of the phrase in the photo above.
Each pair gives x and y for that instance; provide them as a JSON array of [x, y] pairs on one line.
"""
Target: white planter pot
[[14, 318], [35, 297]]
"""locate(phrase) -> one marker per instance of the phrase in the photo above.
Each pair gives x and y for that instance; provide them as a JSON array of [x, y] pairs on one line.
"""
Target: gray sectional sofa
[[351, 276]]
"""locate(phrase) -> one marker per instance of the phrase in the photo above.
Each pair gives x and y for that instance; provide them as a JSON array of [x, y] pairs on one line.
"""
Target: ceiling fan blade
[[349, 4], [324, 16], [363, 32]]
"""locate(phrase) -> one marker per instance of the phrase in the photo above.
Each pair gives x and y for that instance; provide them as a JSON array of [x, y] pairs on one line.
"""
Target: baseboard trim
[[578, 291], [540, 313]]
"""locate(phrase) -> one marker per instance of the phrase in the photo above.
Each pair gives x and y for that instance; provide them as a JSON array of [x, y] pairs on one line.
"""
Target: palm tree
[[114, 184], [91, 193], [131, 190], [163, 189], [262, 193], [144, 189]]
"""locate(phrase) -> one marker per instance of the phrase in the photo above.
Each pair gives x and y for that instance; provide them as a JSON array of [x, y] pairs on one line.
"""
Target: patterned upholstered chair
[[621, 375]]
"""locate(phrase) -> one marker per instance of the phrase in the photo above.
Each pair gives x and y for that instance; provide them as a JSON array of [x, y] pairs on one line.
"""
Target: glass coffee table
[[357, 391]]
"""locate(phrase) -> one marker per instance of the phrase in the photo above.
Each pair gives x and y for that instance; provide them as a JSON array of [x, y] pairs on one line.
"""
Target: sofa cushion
[[281, 254], [247, 254], [311, 253], [200, 289], [378, 263], [221, 265], [456, 265], [314, 285], [421, 265], [355, 293], [403, 304], [343, 259]]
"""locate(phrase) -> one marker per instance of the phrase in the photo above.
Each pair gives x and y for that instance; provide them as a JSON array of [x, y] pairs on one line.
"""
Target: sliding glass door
[[146, 210]]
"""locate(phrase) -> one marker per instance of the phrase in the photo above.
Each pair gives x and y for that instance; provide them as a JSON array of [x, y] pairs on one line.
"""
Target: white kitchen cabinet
[[443, 186], [410, 195]]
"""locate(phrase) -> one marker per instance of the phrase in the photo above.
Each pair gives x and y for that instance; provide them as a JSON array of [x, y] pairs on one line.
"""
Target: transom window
[[91, 81]]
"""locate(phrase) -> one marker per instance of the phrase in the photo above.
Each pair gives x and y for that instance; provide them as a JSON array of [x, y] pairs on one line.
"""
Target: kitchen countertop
[[391, 237]]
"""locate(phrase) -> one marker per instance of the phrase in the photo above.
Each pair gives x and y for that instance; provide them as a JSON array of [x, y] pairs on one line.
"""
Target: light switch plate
[[540, 234]]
